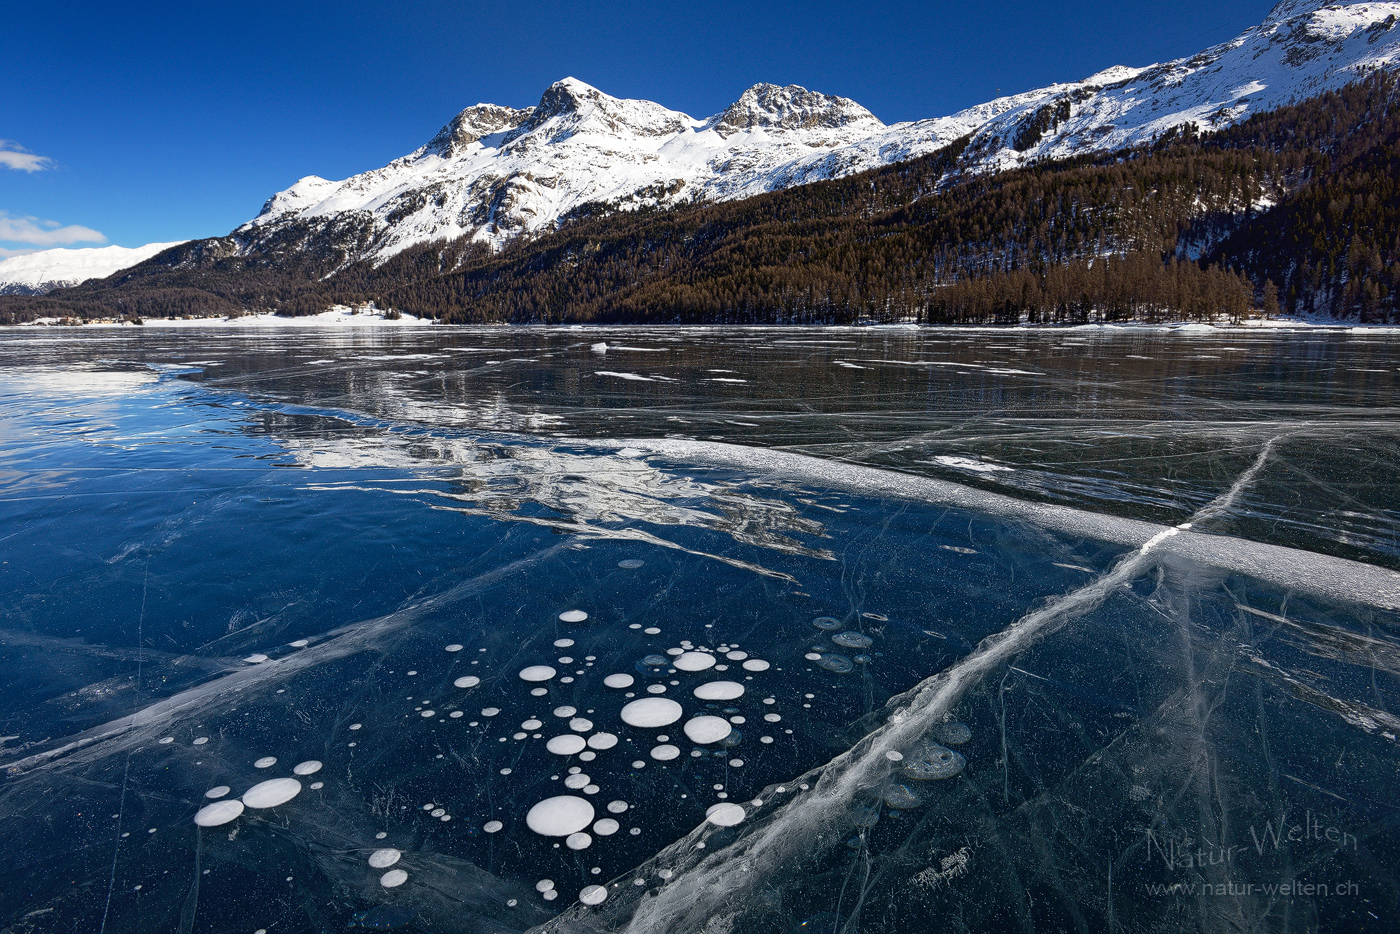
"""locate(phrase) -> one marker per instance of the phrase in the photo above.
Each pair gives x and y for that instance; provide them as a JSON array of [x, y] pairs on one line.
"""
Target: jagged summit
[[790, 108], [496, 173]]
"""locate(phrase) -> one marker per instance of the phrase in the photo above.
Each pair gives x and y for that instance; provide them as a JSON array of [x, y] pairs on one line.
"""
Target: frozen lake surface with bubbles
[[699, 630]]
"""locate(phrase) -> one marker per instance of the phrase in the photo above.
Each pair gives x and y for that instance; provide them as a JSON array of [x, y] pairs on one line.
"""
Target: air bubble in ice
[[664, 752], [606, 827], [577, 781], [828, 623], [537, 673], [309, 767], [218, 791], [218, 813], [901, 797], [839, 664], [454, 647], [266, 762], [393, 878], [694, 661], [271, 793], [469, 681], [256, 659], [631, 564], [725, 814], [593, 895], [565, 711], [200, 740], [619, 681], [952, 734], [492, 826], [931, 762], [602, 741], [566, 745], [573, 616], [580, 724], [559, 816], [865, 815], [720, 691], [578, 841], [651, 712], [707, 729], [532, 724], [852, 640], [383, 859], [756, 664]]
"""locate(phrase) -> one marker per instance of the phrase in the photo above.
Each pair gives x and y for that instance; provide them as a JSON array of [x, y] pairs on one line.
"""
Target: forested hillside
[[1297, 206]]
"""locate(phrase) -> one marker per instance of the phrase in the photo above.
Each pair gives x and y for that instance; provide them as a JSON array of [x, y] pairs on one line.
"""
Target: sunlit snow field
[[699, 630]]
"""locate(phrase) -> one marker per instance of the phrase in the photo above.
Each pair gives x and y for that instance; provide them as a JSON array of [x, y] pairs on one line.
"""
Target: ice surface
[[1150, 637]]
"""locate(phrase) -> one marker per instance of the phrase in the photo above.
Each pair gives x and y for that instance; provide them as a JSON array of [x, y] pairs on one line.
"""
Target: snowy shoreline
[[343, 317]]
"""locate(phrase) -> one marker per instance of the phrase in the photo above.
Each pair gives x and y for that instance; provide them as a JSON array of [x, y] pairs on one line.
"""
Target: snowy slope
[[45, 270], [495, 173]]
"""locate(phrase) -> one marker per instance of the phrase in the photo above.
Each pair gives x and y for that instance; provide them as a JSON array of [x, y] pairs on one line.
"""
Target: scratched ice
[[1106, 643]]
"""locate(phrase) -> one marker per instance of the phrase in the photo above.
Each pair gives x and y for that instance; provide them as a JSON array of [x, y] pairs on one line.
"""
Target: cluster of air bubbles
[[929, 761]]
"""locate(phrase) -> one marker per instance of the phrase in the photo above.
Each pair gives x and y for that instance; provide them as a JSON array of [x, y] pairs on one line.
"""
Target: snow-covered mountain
[[495, 173], [45, 270]]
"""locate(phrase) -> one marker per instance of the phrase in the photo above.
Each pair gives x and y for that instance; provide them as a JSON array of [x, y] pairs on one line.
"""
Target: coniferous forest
[[1295, 210]]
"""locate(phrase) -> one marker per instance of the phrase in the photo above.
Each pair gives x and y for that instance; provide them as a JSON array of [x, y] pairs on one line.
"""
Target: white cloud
[[14, 156], [45, 233]]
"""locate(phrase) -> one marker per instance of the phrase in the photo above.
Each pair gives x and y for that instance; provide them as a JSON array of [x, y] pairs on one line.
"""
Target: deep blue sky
[[167, 121]]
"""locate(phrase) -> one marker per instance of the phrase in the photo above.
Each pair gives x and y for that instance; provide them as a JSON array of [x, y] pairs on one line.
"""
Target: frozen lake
[[699, 630]]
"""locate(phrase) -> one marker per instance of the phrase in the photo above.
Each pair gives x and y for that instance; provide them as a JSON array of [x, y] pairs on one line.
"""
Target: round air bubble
[[656, 689], [317, 786], [271, 793], [578, 841], [853, 640], [383, 859], [563, 643], [930, 762], [256, 659], [952, 734], [266, 762], [565, 711], [725, 814], [573, 616], [218, 791], [537, 673], [393, 878], [827, 623], [707, 729], [631, 564], [532, 724], [720, 691], [300, 643], [456, 715], [865, 815], [675, 652], [559, 816], [651, 712], [544, 885], [493, 826], [617, 807], [566, 745], [593, 895], [200, 740], [694, 661], [218, 813], [606, 827], [428, 713], [602, 741], [665, 753], [756, 664], [490, 711], [470, 681], [736, 656], [454, 647], [309, 767], [619, 681], [840, 664], [577, 781], [167, 740], [580, 724]]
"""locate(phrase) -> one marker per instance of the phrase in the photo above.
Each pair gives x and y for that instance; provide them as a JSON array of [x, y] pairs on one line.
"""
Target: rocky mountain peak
[[472, 124], [571, 106], [792, 108]]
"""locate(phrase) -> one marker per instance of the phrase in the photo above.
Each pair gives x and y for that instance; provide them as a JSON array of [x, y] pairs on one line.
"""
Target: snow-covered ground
[[45, 270], [338, 317]]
